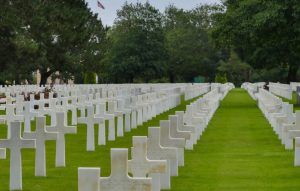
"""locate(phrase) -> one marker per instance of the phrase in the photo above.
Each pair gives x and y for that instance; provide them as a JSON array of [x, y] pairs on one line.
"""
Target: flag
[[100, 5]]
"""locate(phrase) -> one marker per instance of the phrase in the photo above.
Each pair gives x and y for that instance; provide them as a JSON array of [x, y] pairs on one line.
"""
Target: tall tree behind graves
[[137, 49], [65, 35], [265, 34], [17, 48], [190, 48]]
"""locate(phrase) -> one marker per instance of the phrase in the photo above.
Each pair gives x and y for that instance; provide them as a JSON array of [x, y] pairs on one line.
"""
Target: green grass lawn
[[238, 152], [65, 179]]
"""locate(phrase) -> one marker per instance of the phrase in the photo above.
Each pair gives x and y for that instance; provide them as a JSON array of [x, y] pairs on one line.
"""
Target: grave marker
[[157, 152], [167, 141], [141, 166], [15, 143], [90, 120], [41, 136], [119, 179], [62, 129]]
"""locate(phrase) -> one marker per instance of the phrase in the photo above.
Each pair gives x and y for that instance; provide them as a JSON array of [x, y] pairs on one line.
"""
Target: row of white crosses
[[149, 106], [283, 120], [283, 90], [57, 109], [154, 158], [37, 141]]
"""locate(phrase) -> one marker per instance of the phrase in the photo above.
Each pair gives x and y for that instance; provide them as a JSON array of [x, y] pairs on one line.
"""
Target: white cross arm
[[71, 130], [5, 143], [28, 143], [294, 133], [82, 120]]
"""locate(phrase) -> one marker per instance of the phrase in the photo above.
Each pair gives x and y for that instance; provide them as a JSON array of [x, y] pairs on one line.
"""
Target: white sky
[[111, 6]]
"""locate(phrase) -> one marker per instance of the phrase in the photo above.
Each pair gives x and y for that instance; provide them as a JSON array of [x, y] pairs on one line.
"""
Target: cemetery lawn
[[238, 151], [65, 179]]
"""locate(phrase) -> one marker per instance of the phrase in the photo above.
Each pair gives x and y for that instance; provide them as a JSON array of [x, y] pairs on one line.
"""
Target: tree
[[16, 47], [137, 44], [235, 70], [265, 34], [58, 35], [190, 48]]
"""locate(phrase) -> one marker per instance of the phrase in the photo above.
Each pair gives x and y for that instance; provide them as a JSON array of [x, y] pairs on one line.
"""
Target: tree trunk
[[44, 77], [292, 75], [171, 78], [131, 79]]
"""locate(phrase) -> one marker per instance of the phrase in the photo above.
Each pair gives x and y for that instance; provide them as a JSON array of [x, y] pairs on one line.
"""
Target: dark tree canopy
[[240, 40], [265, 34], [57, 35]]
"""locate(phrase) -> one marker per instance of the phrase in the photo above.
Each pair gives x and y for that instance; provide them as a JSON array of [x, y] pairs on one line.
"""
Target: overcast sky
[[111, 6]]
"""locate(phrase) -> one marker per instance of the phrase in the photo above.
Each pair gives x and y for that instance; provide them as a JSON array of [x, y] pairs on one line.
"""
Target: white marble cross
[[119, 178], [28, 115], [41, 136], [167, 141], [157, 152], [183, 127], [126, 112], [72, 107], [90, 120], [134, 109], [111, 124], [141, 166], [112, 109], [176, 133], [15, 143], [61, 128], [11, 117]]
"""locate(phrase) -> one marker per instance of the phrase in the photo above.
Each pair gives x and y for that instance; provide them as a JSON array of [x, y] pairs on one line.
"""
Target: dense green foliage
[[143, 45], [58, 35], [248, 40], [234, 69], [190, 48], [148, 46], [221, 78], [265, 34], [89, 78], [137, 44]]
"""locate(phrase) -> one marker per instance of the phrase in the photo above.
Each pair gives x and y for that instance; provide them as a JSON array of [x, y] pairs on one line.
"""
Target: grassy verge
[[238, 151]]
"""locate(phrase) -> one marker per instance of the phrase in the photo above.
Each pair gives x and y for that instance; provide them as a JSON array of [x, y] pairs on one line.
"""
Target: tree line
[[246, 40]]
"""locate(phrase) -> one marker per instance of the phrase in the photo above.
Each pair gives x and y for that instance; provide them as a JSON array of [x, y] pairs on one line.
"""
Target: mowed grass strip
[[65, 179], [238, 152]]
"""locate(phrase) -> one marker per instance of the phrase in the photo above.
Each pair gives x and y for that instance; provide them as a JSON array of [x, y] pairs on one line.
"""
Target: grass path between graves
[[238, 151], [65, 179]]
